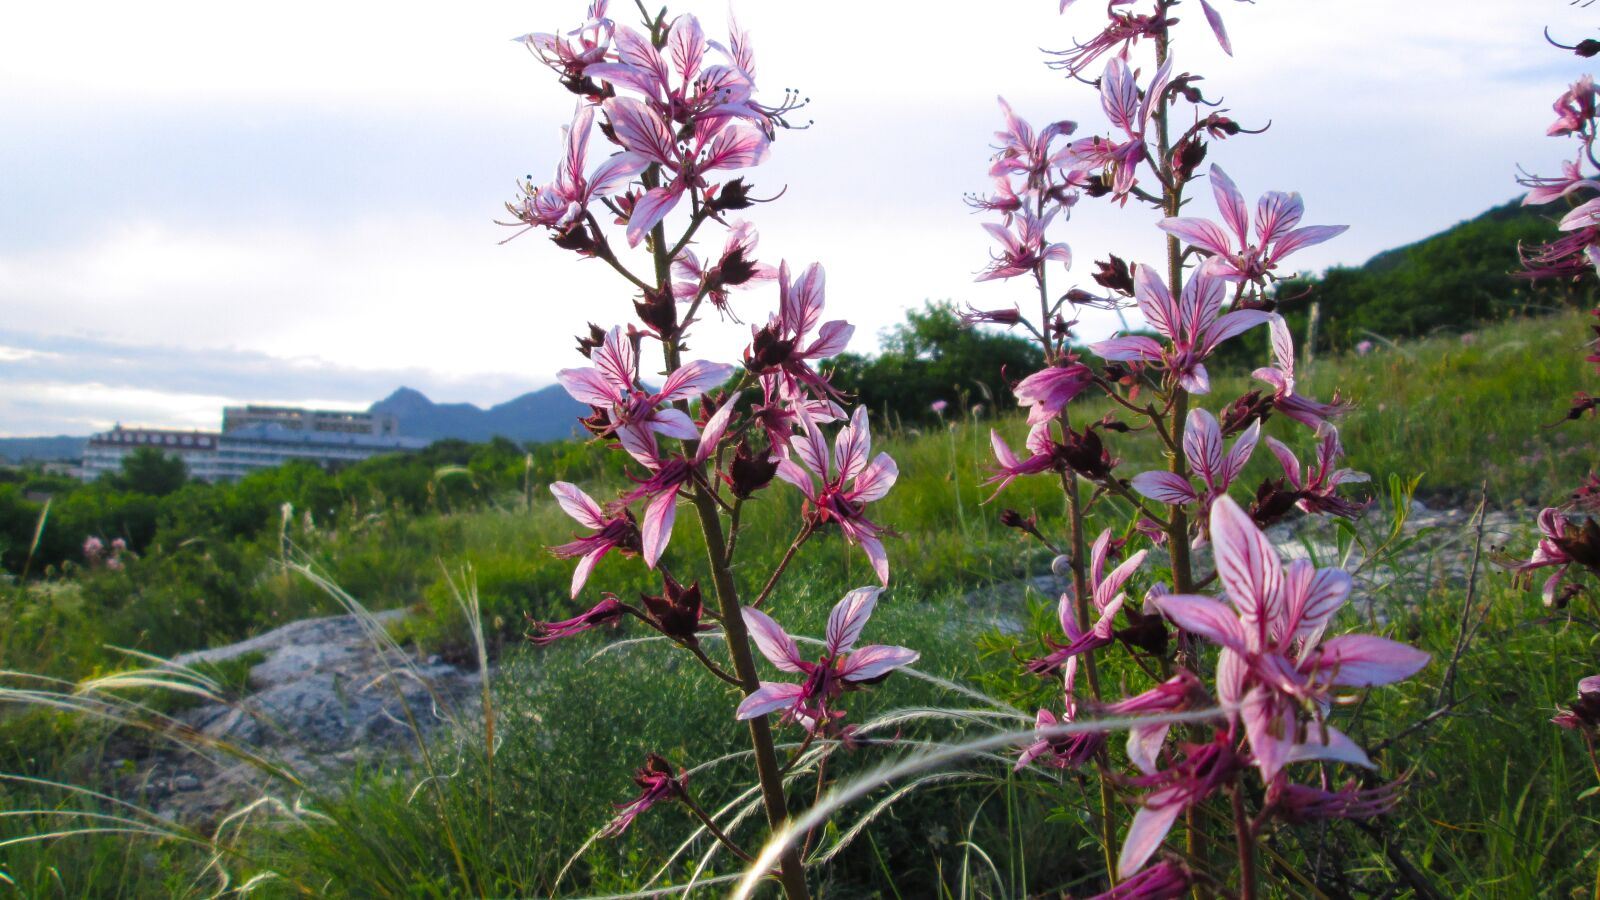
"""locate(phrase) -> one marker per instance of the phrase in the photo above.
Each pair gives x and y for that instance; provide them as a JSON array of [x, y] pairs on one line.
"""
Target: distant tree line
[[153, 504], [933, 356]]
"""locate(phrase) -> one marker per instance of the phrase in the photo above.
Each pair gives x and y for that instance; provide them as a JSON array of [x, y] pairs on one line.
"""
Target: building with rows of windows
[[256, 437]]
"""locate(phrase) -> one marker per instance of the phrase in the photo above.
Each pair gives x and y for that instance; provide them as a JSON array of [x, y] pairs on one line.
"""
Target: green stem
[[792, 872]]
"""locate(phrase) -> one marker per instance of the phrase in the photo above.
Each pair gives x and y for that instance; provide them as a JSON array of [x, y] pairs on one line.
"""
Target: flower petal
[[578, 505], [848, 617], [1248, 565], [1211, 619], [1164, 487], [875, 661], [1365, 660], [771, 697], [773, 642]]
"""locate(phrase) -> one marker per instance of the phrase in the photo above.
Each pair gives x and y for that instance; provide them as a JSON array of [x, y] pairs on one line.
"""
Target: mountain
[[544, 415], [41, 448]]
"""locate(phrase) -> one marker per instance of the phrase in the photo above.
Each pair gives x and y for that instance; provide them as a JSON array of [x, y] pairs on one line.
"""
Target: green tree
[[933, 356], [148, 470]]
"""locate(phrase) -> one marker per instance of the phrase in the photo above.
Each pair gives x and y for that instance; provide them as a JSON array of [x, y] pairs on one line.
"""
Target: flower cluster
[[1569, 538], [1278, 667], [680, 119]]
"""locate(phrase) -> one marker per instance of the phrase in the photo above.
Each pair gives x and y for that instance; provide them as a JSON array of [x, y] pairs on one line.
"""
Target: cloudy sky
[[210, 202]]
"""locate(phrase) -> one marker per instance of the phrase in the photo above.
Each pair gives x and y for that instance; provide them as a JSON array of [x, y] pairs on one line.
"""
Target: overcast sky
[[211, 202]]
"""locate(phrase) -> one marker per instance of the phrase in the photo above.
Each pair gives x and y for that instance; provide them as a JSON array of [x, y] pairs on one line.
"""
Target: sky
[[205, 203]]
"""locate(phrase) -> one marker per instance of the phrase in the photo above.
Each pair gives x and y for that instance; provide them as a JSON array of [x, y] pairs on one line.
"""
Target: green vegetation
[[1448, 282], [1495, 805]]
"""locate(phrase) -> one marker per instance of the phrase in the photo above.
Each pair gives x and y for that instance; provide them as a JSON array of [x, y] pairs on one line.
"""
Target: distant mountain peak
[[543, 415]]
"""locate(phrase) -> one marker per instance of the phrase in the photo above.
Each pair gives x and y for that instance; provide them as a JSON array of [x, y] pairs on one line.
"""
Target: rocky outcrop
[[327, 695]]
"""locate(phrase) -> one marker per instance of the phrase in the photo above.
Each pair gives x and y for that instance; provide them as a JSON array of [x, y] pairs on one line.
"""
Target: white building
[[198, 449], [256, 437]]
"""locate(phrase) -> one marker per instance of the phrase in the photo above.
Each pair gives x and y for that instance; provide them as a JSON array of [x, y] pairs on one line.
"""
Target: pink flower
[[1129, 113], [616, 532], [668, 477], [1193, 327], [1041, 457], [607, 611], [1203, 769], [1048, 391], [569, 54], [658, 782], [1363, 348], [1280, 375], [1023, 248], [840, 668], [1061, 751], [1318, 486], [561, 204], [780, 349], [939, 406], [1585, 714], [1023, 152], [93, 549], [1544, 190], [1575, 108], [1180, 692], [1163, 881], [1275, 661], [1237, 259], [848, 482], [1107, 597], [736, 267], [1551, 551], [1299, 804], [722, 126], [637, 414], [1202, 446]]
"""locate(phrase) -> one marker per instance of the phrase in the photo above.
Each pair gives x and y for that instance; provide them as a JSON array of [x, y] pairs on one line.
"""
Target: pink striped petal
[[656, 529], [831, 340], [587, 385], [1204, 616], [848, 617], [651, 209], [1365, 660], [693, 379], [873, 548], [771, 697], [578, 505], [773, 642], [875, 480], [1127, 349], [1164, 487], [1217, 27], [876, 661], [852, 445], [1202, 444], [639, 129], [1277, 213], [1155, 301], [1248, 566], [1145, 834], [1229, 201], [1202, 233]]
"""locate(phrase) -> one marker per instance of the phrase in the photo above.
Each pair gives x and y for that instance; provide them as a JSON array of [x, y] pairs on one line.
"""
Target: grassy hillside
[[1499, 784]]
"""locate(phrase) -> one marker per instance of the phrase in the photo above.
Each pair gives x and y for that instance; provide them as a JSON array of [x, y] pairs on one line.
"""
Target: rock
[[329, 694]]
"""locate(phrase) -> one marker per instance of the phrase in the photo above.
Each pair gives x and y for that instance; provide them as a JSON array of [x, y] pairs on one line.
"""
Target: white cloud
[[313, 184]]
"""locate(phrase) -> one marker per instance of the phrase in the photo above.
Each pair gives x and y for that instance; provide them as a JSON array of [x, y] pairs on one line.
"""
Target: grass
[[1493, 808]]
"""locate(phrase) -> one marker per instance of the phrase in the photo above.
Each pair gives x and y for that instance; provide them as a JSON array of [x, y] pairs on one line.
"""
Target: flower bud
[[1114, 274], [749, 472], [659, 311]]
